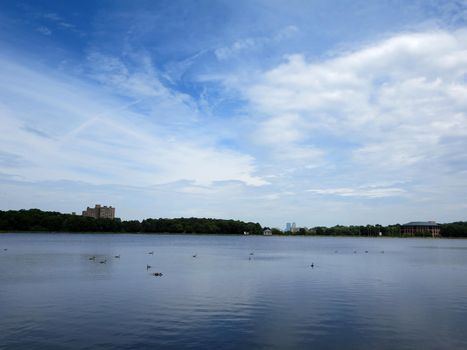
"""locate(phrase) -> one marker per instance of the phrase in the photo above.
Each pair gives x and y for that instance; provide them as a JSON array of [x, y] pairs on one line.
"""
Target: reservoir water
[[238, 292]]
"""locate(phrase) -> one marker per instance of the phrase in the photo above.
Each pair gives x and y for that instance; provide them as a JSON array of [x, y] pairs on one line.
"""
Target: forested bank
[[38, 220], [452, 230]]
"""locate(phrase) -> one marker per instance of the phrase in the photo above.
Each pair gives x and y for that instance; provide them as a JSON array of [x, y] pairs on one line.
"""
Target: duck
[[92, 258], [366, 251], [312, 265], [151, 253], [148, 267], [157, 274], [117, 256], [103, 261], [195, 255]]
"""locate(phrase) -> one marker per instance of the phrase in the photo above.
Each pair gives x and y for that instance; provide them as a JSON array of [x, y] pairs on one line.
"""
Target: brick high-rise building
[[100, 212]]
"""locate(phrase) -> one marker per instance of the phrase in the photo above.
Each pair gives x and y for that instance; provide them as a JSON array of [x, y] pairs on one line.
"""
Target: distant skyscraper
[[288, 227], [293, 229]]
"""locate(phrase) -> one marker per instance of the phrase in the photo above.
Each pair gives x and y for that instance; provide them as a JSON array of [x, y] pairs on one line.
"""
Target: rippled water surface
[[401, 294]]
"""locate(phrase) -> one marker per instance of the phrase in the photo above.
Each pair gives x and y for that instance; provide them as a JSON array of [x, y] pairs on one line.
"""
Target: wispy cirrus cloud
[[44, 30], [58, 20], [360, 192], [254, 43], [113, 146]]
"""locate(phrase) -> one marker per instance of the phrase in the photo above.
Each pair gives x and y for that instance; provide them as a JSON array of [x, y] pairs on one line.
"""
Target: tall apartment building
[[100, 212]]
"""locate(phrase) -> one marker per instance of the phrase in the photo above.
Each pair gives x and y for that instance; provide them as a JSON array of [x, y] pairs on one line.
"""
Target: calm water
[[414, 295]]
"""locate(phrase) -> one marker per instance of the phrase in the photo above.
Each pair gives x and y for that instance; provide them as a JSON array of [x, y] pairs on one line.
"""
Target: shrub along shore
[[36, 220]]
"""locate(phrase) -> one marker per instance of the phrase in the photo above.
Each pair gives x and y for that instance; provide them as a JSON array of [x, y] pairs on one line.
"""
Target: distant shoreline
[[225, 234], [36, 220]]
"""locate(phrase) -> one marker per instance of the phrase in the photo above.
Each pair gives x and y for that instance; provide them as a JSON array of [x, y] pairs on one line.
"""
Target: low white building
[[267, 232]]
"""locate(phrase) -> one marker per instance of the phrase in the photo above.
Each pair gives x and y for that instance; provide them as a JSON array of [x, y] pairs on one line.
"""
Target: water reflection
[[53, 296]]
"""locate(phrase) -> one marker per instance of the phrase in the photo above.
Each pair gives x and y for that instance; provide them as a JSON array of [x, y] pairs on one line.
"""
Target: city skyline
[[263, 111]]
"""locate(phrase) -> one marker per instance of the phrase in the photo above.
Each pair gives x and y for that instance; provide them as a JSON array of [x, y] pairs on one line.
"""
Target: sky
[[314, 112]]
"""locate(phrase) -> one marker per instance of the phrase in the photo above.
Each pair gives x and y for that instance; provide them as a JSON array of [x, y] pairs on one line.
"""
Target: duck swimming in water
[[117, 256], [148, 267], [157, 274], [103, 261], [151, 253], [92, 258]]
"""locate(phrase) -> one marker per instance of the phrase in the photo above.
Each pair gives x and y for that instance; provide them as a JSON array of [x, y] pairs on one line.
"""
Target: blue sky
[[318, 112]]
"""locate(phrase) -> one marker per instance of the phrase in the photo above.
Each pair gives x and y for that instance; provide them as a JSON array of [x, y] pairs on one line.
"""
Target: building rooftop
[[421, 223]]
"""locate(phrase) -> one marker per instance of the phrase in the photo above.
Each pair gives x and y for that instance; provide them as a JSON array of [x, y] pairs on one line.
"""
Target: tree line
[[38, 220], [455, 229], [340, 230], [354, 230]]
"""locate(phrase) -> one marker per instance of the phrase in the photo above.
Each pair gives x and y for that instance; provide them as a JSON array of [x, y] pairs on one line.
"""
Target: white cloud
[[52, 16], [361, 192], [86, 135], [44, 30], [58, 20], [281, 129], [395, 100], [253, 43], [138, 80]]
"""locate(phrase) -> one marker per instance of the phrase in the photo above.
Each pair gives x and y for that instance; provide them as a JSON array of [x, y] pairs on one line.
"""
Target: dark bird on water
[[195, 255], [157, 274], [148, 267], [5, 249], [151, 253], [252, 253], [103, 261], [312, 265], [117, 256], [92, 258], [366, 251]]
